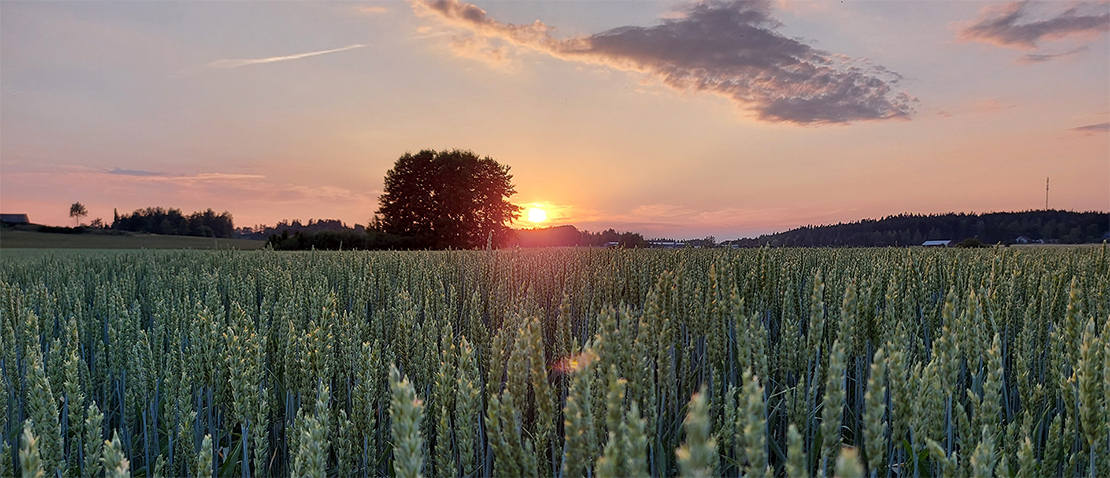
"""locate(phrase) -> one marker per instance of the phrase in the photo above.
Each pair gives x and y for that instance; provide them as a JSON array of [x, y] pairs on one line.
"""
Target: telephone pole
[[1045, 194]]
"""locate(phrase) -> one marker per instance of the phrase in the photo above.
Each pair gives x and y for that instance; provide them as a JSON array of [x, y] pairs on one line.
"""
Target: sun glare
[[537, 215]]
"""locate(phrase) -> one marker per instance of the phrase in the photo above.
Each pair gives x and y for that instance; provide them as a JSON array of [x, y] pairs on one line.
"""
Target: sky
[[674, 119]]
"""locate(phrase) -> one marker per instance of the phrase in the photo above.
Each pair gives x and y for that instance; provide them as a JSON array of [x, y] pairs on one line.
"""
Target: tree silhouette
[[78, 211], [448, 199]]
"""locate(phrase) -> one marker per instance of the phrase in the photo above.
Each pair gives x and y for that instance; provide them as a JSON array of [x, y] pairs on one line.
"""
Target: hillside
[[1052, 226]]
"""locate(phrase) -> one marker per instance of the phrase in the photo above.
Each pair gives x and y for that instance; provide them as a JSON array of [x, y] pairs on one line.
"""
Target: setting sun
[[537, 215]]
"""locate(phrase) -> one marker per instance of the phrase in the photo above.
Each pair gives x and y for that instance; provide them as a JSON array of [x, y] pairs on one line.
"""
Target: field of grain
[[557, 363]]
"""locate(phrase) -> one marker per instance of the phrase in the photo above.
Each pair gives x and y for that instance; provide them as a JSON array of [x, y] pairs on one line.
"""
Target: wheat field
[[557, 363]]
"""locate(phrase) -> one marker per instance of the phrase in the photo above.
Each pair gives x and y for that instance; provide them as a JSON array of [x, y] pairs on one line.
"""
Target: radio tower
[[1045, 194]]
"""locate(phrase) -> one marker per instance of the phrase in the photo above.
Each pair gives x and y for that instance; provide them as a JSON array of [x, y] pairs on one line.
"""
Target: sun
[[536, 215]]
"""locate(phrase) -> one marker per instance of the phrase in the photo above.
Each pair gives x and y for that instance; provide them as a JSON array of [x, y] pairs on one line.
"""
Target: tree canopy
[[448, 199], [158, 220]]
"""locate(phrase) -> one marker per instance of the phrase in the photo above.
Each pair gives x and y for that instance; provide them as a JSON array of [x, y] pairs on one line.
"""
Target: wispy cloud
[[256, 186], [978, 107], [1093, 128], [1043, 57], [481, 49], [371, 9], [727, 48], [661, 213], [160, 176], [258, 61], [134, 172], [1010, 25]]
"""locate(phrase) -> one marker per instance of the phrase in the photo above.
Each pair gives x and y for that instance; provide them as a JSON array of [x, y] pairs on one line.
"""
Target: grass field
[[10, 239]]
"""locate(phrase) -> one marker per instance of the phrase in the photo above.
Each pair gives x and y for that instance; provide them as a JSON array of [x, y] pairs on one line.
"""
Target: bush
[[970, 243]]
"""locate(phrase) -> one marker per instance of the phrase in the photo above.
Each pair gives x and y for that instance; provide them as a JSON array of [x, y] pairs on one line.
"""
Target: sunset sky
[[673, 119]]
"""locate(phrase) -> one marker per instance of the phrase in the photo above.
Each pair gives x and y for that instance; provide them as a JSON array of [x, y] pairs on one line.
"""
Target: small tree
[[78, 211]]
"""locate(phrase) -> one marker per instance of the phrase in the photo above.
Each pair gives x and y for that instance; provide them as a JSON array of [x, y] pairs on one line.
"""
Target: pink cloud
[[730, 49], [482, 49]]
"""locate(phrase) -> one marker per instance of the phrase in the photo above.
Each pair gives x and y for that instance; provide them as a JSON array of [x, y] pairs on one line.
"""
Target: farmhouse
[[14, 219], [940, 243]]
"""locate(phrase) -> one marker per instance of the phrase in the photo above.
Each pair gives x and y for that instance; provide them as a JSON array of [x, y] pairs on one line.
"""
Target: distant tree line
[[313, 226], [375, 239], [157, 220], [332, 235], [349, 240], [565, 236], [1052, 226]]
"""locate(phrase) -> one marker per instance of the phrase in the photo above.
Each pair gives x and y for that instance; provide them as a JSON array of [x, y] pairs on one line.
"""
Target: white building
[[940, 243]]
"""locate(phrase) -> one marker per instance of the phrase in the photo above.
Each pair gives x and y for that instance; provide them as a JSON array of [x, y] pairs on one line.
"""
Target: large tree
[[448, 199]]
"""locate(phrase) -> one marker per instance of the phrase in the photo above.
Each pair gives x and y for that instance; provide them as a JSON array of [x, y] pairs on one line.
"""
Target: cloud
[[1043, 57], [482, 49], [805, 6], [160, 176], [214, 184], [274, 59], [220, 176], [227, 184], [134, 172], [661, 212], [1093, 128], [1010, 25], [371, 9], [728, 48]]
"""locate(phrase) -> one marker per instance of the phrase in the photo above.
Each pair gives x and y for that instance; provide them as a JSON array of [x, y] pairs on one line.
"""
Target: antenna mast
[[1046, 194]]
